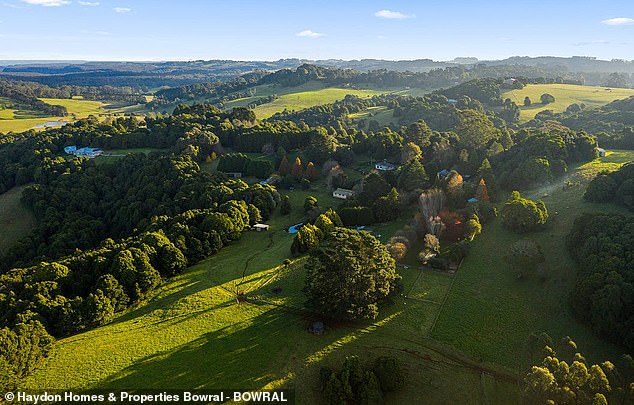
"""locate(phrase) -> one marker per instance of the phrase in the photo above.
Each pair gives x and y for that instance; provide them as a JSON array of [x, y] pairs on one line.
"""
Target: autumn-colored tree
[[454, 184], [285, 167], [398, 246], [296, 170], [311, 172], [454, 227], [481, 192]]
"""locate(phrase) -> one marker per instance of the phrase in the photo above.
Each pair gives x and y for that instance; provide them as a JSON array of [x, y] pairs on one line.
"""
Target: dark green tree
[[523, 215], [349, 274]]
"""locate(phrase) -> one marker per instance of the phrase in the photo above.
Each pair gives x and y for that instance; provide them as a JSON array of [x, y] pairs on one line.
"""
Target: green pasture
[[193, 332], [490, 313], [565, 95]]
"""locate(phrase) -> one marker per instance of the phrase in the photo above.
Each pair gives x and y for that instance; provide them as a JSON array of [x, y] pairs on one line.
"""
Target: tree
[[410, 152], [476, 129], [285, 167], [311, 172], [601, 189], [309, 203], [523, 215], [482, 195], [389, 372], [474, 227], [413, 176], [349, 274], [557, 381], [325, 224], [285, 205], [431, 248], [374, 186], [525, 255], [296, 170], [547, 98], [306, 239], [419, 133], [387, 208], [527, 101]]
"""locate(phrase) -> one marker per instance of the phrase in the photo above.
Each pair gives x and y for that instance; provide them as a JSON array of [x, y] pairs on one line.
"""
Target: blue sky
[[343, 29]]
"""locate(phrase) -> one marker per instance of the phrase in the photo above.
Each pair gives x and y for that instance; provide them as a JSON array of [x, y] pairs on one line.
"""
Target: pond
[[50, 124]]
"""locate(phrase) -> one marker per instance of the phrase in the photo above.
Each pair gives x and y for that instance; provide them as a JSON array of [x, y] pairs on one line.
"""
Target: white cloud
[[88, 3], [122, 10], [393, 15], [619, 21], [309, 34], [47, 3]]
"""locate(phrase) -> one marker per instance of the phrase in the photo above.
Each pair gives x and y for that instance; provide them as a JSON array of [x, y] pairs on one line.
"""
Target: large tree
[[523, 215], [349, 274]]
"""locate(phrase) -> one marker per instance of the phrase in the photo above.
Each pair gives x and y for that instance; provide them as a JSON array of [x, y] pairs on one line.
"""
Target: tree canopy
[[349, 274]]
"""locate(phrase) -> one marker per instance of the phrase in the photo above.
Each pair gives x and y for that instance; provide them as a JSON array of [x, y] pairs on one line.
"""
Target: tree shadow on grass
[[249, 354]]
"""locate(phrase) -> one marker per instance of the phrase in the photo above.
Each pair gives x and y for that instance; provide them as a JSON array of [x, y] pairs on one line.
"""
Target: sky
[[144, 30]]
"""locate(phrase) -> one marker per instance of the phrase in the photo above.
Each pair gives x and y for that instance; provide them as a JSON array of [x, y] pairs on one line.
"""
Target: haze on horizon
[[141, 30]]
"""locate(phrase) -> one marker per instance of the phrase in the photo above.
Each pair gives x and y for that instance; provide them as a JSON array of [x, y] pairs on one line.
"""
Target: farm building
[[385, 166], [261, 227], [342, 193], [602, 152], [83, 152]]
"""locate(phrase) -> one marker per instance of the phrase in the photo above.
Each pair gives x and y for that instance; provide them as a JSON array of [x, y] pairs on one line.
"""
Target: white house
[[342, 193], [385, 166]]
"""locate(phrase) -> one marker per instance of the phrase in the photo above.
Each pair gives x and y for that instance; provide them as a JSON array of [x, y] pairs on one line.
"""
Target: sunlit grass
[[565, 95]]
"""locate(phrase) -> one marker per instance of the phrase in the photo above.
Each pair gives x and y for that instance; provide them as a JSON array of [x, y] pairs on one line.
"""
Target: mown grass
[[565, 95], [16, 221], [490, 313], [194, 334]]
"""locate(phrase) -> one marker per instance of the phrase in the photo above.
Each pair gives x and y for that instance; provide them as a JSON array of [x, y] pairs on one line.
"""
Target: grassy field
[[78, 107], [565, 95], [16, 221], [19, 120], [194, 334], [23, 120], [305, 99], [489, 313]]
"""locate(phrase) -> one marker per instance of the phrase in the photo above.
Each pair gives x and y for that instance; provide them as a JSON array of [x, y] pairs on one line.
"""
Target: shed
[[261, 227], [342, 193], [316, 328]]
